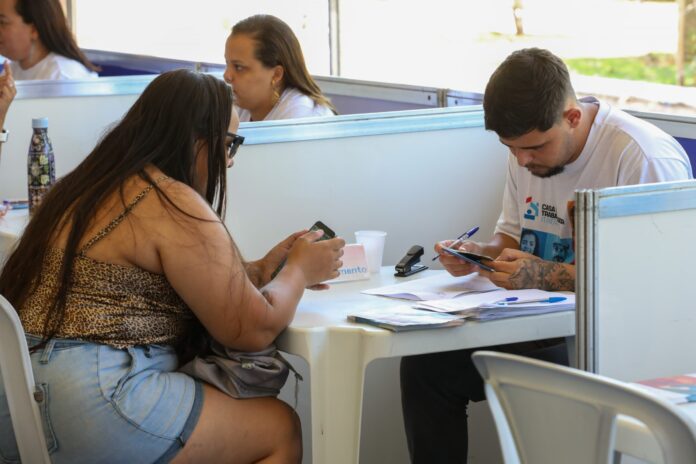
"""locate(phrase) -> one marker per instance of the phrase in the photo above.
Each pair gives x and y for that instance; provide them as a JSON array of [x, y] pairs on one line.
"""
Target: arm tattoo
[[545, 275]]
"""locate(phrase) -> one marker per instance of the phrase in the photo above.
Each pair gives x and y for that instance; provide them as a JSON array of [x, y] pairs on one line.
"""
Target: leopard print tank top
[[107, 303]]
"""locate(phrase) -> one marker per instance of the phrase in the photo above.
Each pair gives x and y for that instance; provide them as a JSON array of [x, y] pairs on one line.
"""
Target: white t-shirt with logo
[[291, 104], [52, 67], [620, 150]]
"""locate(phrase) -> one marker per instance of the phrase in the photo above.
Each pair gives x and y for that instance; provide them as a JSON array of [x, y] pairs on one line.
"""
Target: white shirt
[[620, 150], [291, 104], [52, 67]]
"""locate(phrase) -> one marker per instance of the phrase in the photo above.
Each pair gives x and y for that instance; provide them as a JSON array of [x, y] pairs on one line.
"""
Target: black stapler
[[408, 264]]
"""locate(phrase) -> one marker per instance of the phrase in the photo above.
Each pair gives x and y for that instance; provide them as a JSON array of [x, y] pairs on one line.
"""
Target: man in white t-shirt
[[558, 144]]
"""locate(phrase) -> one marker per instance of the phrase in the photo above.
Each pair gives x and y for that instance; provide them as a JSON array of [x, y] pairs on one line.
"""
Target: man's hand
[[455, 266], [515, 269]]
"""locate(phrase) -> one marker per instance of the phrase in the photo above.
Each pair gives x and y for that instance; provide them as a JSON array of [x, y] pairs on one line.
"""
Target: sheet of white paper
[[472, 301], [442, 286]]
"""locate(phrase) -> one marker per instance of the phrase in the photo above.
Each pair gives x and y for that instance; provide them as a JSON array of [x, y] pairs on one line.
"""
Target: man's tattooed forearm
[[546, 275]]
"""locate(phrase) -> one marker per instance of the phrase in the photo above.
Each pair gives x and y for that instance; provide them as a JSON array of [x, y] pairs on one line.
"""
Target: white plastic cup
[[373, 241]]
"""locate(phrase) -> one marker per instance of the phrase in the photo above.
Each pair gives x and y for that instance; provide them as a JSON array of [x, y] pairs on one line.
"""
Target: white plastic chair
[[546, 413], [20, 388]]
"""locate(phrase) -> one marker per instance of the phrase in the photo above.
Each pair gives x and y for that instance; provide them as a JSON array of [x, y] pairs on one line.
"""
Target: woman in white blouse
[[35, 36], [267, 71]]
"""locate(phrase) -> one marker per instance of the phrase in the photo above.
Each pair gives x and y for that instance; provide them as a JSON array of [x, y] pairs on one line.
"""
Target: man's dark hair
[[528, 91]]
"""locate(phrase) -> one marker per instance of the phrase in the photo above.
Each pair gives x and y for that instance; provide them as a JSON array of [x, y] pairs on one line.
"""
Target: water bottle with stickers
[[41, 163]]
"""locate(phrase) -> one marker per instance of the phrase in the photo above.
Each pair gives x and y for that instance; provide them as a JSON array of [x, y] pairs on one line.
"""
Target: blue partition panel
[[690, 147], [108, 70]]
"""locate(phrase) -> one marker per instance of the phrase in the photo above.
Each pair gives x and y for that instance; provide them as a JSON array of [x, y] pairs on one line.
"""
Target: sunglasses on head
[[233, 145]]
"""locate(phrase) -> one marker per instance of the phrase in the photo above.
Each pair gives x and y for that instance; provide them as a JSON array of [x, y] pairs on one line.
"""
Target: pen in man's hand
[[465, 236]]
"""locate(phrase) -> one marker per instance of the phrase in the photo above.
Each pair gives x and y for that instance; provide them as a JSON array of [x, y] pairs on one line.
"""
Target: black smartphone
[[328, 234], [472, 258]]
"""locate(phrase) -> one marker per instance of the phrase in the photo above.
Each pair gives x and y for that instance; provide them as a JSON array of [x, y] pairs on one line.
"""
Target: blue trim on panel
[[104, 86], [360, 125], [647, 198]]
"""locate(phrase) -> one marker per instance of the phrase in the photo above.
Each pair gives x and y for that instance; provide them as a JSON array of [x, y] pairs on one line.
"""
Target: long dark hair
[[48, 19], [276, 44], [161, 129]]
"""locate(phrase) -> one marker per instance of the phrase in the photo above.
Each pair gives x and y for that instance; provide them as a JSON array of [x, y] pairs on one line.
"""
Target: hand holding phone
[[471, 258], [328, 234]]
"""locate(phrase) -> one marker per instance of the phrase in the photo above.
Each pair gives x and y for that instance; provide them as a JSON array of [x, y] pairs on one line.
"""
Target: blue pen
[[516, 301], [507, 300], [460, 239]]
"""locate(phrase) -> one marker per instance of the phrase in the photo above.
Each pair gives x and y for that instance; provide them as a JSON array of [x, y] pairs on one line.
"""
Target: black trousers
[[435, 393]]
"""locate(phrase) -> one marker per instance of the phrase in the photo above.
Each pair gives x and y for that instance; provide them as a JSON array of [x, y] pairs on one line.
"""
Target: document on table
[[502, 304], [406, 318], [438, 287]]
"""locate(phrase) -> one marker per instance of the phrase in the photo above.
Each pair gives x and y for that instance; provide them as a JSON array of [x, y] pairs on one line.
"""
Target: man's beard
[[548, 172], [553, 170]]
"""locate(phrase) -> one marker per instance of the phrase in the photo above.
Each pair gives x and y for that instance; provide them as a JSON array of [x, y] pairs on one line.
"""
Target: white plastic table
[[11, 228], [338, 352]]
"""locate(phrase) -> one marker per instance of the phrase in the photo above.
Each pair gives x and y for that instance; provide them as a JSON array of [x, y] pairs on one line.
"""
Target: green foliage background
[[654, 67]]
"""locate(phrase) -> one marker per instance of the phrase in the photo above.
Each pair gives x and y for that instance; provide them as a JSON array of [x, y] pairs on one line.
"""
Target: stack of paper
[[406, 318], [442, 286], [502, 304]]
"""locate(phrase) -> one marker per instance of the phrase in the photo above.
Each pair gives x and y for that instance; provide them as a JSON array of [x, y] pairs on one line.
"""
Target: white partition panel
[[675, 125], [75, 123], [420, 182], [637, 280]]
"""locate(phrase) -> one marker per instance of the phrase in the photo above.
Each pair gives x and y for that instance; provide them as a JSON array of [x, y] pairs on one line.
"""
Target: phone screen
[[472, 258]]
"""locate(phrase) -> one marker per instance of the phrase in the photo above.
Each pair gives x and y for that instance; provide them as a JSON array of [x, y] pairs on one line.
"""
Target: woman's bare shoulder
[[172, 200]]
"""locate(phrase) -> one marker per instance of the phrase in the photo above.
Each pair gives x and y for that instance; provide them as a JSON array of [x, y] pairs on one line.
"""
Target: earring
[[276, 94]]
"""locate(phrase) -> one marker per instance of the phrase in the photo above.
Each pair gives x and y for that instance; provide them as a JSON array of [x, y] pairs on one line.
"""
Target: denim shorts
[[104, 405]]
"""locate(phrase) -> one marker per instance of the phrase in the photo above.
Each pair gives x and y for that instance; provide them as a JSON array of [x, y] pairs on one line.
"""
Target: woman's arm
[[260, 271], [202, 264]]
